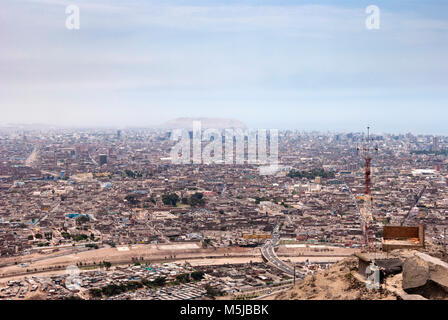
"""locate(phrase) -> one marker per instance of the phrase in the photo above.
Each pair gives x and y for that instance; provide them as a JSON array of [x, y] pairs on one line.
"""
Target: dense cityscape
[[219, 159], [111, 204]]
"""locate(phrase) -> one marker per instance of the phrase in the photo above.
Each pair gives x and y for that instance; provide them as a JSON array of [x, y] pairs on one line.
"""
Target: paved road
[[32, 157], [268, 253]]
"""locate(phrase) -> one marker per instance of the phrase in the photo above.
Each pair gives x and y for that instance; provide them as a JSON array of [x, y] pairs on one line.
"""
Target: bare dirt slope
[[335, 283]]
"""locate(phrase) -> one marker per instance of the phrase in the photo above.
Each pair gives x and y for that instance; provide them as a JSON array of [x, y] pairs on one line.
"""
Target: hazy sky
[[269, 63]]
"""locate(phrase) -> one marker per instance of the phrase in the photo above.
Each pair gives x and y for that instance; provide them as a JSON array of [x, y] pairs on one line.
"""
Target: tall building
[[103, 159], [435, 144]]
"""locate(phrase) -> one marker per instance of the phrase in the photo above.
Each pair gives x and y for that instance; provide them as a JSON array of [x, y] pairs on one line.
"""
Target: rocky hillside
[[335, 283], [415, 276]]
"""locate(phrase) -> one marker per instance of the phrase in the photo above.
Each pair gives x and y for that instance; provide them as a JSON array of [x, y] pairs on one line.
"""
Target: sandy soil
[[336, 283], [38, 263], [153, 253]]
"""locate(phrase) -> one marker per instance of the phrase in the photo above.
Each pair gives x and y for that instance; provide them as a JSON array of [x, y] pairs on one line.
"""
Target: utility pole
[[444, 240], [294, 275]]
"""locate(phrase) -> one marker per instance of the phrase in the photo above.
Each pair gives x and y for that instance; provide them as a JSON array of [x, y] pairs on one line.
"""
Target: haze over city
[[223, 154], [273, 64]]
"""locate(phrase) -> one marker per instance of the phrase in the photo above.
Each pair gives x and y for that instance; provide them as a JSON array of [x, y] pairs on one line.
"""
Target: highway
[[268, 253], [30, 161]]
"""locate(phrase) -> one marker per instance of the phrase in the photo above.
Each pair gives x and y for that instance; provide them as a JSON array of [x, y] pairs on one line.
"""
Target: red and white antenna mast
[[366, 210]]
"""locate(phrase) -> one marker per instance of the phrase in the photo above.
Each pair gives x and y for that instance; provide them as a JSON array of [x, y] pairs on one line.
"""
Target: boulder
[[425, 275], [438, 270], [415, 273]]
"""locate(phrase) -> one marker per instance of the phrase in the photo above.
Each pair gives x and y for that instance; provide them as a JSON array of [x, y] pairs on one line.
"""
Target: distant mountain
[[27, 125], [206, 123]]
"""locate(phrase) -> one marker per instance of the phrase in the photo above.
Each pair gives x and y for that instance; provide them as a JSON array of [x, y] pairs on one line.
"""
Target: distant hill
[[206, 123]]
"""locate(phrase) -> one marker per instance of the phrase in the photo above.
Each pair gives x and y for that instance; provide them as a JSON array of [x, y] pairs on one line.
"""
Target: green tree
[[197, 275], [95, 293], [183, 277], [197, 199], [107, 264], [206, 243], [170, 199], [212, 292]]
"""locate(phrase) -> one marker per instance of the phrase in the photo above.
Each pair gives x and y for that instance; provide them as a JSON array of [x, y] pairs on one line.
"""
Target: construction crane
[[366, 211], [416, 201]]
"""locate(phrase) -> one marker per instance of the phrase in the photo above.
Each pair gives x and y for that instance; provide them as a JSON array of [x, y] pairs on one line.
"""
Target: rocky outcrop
[[425, 275], [415, 273], [339, 282]]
